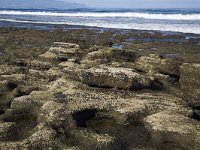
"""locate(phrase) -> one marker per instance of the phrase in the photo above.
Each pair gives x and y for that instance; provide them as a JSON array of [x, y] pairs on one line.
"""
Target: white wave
[[184, 28], [109, 14]]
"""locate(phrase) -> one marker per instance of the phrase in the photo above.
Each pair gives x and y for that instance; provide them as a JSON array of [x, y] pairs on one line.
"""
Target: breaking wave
[[108, 14], [184, 28]]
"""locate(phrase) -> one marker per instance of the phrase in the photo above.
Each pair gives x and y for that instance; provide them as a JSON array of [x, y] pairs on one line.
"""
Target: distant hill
[[39, 4]]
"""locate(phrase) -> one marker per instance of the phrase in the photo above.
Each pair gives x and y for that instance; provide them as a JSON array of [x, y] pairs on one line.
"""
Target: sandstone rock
[[61, 52], [53, 107], [6, 86], [91, 140], [113, 55], [154, 63], [173, 128], [43, 139], [7, 130], [121, 78], [10, 145], [190, 83], [55, 114], [14, 78], [40, 65], [47, 76], [71, 70], [9, 70]]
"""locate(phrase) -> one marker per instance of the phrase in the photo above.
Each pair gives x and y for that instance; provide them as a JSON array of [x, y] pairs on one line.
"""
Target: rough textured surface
[[97, 99], [122, 78], [190, 83], [174, 129]]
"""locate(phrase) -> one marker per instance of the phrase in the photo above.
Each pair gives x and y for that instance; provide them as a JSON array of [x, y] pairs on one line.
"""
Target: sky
[[139, 3]]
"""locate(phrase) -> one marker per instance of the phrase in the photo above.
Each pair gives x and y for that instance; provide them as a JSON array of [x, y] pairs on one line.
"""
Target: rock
[[70, 69], [61, 52], [121, 78], [55, 114], [43, 139], [166, 127], [71, 98], [155, 63], [91, 140], [190, 83], [19, 62], [9, 145], [14, 78], [7, 130], [6, 86], [40, 65], [46, 76], [113, 55], [129, 111], [24, 104], [9, 70]]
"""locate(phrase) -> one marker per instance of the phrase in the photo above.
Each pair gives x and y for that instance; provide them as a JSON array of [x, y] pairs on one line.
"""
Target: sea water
[[173, 20]]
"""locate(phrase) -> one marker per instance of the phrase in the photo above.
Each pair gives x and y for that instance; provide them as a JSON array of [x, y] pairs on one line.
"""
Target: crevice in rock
[[174, 78], [156, 85], [126, 136], [2, 112], [12, 86], [196, 113], [81, 117]]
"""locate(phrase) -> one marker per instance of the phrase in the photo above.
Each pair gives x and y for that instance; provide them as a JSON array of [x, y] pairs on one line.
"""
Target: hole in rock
[[12, 86], [196, 113], [2, 112], [156, 85], [127, 136], [81, 117]]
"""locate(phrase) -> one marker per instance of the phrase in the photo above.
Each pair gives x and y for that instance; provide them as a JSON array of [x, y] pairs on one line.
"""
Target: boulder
[[173, 129], [6, 86], [14, 78], [190, 83], [61, 52], [92, 140], [44, 138], [113, 55], [155, 63], [40, 65], [7, 130], [121, 78]]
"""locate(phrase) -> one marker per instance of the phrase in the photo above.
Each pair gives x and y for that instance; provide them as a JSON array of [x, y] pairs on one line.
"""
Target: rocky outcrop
[[121, 78], [190, 83], [155, 63], [95, 99], [113, 55], [61, 52], [173, 129]]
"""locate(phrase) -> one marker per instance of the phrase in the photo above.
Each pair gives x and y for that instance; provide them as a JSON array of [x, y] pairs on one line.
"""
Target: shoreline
[[73, 90], [153, 41], [52, 26]]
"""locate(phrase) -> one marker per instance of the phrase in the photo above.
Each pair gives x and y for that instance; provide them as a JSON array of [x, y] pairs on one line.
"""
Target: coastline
[[141, 40], [97, 88]]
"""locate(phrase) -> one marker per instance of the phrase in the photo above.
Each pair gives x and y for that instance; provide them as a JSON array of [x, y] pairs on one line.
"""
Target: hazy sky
[[140, 3]]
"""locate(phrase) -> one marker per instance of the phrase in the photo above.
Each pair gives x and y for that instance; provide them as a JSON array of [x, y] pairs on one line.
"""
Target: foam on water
[[184, 28], [109, 14], [175, 21]]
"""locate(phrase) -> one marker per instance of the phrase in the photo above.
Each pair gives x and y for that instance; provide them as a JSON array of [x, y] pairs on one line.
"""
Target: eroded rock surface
[[99, 98]]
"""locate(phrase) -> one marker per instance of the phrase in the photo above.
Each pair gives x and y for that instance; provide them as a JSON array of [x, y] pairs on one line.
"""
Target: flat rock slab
[[175, 128], [121, 78]]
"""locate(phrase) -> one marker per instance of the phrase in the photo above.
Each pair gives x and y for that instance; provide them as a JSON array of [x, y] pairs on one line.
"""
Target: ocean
[[173, 20]]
